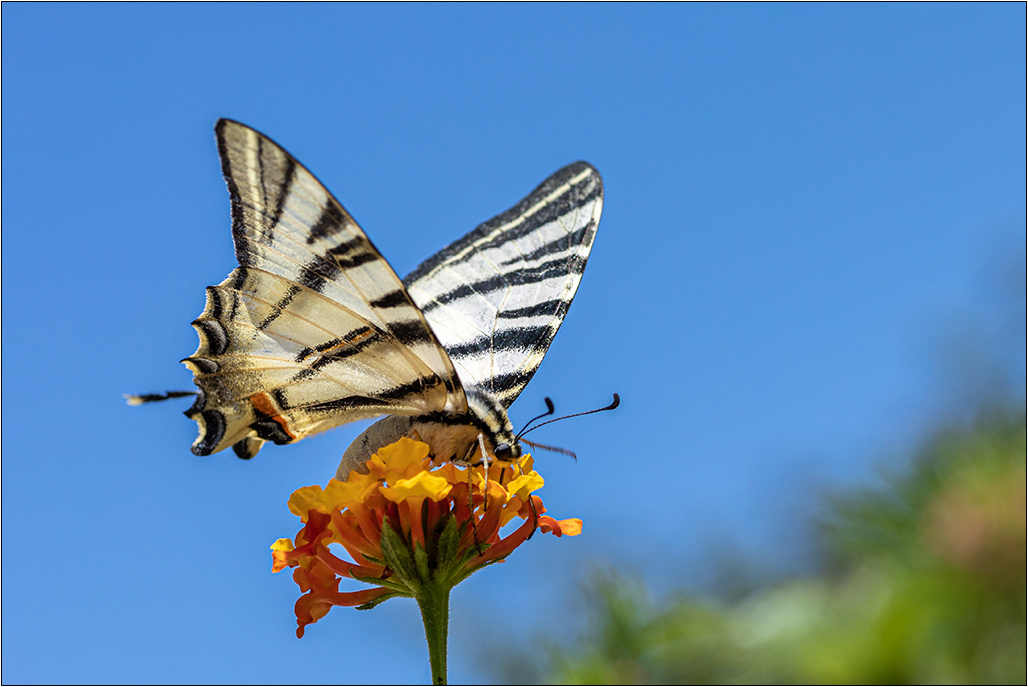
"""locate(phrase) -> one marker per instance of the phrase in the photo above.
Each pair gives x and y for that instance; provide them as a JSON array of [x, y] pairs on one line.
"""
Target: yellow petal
[[422, 484], [305, 499], [399, 457], [282, 545], [523, 485], [526, 463], [333, 497], [337, 494]]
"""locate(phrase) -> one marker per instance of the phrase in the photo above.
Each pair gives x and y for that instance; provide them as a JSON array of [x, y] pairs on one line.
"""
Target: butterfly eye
[[505, 452]]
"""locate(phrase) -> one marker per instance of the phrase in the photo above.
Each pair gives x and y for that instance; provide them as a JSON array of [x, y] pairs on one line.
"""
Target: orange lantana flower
[[406, 524]]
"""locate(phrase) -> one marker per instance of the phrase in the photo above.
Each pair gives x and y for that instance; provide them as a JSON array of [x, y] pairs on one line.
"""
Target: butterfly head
[[489, 417], [495, 428], [507, 452]]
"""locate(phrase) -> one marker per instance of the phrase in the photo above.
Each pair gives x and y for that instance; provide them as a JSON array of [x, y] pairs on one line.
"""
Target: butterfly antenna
[[549, 411], [555, 449], [140, 399], [612, 406]]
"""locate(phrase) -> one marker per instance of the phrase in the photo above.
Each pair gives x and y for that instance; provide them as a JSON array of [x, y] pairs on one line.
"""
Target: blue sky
[[801, 203]]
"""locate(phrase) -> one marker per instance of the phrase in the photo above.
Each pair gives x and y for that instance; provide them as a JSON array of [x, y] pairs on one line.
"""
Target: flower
[[409, 526]]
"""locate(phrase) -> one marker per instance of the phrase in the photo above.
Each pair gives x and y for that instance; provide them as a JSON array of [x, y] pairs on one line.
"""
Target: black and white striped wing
[[496, 297], [313, 329]]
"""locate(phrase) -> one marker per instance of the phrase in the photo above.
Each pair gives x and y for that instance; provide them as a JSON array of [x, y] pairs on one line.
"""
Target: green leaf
[[397, 586], [421, 563], [449, 540], [467, 573], [398, 557], [374, 602], [372, 559]]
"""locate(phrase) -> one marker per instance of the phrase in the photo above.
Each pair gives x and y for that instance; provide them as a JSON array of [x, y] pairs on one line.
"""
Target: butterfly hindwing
[[313, 329], [496, 297]]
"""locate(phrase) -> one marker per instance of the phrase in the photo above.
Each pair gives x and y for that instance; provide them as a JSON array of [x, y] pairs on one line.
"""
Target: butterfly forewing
[[496, 297], [314, 329]]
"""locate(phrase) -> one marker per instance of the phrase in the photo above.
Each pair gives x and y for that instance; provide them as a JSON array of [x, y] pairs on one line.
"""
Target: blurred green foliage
[[924, 582]]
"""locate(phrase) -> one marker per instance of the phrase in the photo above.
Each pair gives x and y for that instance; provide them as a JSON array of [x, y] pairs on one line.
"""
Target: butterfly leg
[[485, 461], [535, 516], [471, 509], [485, 488]]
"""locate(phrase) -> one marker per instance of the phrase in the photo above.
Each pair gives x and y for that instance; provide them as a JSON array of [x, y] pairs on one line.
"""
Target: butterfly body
[[314, 329]]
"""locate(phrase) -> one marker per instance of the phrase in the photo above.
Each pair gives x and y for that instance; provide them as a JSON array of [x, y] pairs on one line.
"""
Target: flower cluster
[[408, 524]]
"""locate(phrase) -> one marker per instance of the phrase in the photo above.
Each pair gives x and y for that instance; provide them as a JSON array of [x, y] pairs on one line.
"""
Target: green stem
[[434, 602]]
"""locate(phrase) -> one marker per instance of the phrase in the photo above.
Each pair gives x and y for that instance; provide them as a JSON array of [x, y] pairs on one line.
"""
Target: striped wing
[[496, 297], [313, 329]]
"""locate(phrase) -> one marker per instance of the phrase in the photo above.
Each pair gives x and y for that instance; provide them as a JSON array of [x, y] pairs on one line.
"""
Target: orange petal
[[410, 518], [570, 527], [347, 569], [351, 536], [505, 546], [312, 607]]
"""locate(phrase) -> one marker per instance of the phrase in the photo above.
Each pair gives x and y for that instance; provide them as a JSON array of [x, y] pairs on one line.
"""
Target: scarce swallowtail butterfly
[[314, 329]]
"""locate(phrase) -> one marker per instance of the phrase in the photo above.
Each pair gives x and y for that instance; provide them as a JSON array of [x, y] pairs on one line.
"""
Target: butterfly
[[314, 329]]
